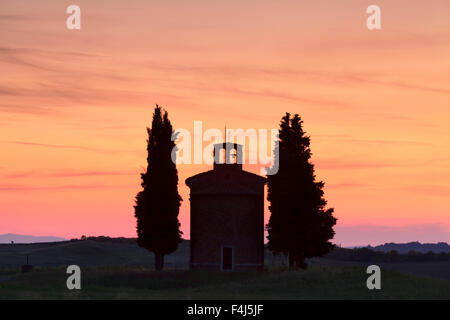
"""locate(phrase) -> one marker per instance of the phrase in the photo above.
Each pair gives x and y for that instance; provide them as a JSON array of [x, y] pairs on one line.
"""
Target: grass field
[[124, 271]]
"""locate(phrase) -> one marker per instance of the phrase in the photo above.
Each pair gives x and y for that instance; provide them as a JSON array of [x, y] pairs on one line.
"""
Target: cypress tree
[[300, 226], [157, 205]]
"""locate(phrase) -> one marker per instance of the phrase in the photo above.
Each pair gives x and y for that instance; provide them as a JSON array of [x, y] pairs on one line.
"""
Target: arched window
[[222, 155], [233, 155]]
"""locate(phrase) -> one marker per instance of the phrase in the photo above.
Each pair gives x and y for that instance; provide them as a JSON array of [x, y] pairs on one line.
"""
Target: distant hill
[[413, 246], [19, 238], [93, 251], [125, 254]]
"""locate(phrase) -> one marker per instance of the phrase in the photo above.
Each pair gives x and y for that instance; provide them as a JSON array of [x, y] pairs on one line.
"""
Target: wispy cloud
[[404, 85], [285, 73], [19, 175], [23, 57], [14, 17], [27, 109], [56, 146], [439, 191], [61, 187], [350, 139], [344, 185], [337, 164], [91, 173], [68, 173], [389, 142], [56, 89]]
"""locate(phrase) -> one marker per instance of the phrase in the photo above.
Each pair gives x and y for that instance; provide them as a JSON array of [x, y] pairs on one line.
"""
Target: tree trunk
[[300, 262], [291, 261], [159, 261]]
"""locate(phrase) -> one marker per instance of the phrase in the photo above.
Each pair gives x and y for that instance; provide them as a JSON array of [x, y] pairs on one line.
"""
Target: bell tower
[[229, 155]]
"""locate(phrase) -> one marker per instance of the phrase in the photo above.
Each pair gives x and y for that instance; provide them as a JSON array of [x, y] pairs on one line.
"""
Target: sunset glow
[[75, 104]]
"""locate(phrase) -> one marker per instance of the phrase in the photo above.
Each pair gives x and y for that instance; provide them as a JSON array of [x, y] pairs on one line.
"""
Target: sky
[[75, 104]]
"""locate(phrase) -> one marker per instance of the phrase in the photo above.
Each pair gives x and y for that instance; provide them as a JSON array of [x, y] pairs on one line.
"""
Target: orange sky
[[74, 105]]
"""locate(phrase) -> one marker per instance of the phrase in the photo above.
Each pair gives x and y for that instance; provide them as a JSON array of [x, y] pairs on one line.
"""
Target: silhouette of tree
[[157, 205], [299, 225]]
